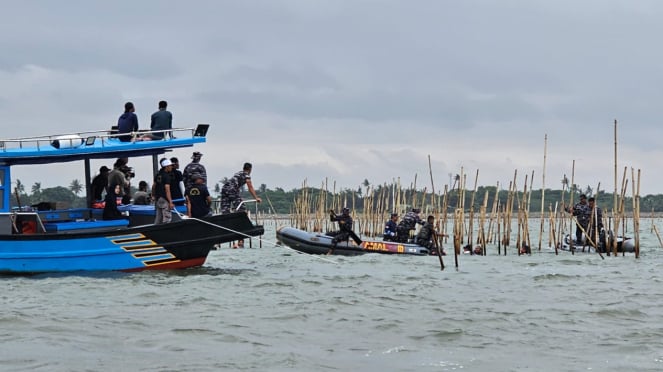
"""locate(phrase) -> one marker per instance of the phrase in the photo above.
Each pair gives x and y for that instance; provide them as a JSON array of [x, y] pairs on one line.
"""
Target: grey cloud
[[377, 75], [84, 56]]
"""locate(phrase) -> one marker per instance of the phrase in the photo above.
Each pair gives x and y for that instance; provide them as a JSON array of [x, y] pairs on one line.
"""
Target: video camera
[[128, 171]]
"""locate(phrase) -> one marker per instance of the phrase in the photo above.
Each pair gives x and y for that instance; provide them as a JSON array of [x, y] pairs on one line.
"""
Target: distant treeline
[[279, 201]]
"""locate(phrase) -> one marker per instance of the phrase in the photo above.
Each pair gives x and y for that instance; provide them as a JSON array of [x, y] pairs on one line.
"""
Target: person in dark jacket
[[198, 199], [163, 201], [99, 184], [127, 123], [176, 182], [344, 228], [110, 206], [390, 228]]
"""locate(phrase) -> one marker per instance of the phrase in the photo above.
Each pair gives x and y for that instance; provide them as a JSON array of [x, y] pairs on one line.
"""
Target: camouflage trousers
[[230, 200]]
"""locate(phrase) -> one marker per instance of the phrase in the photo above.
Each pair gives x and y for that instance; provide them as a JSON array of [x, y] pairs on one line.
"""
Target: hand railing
[[89, 137]]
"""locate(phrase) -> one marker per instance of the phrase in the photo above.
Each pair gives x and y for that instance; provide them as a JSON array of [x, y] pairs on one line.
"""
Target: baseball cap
[[166, 162]]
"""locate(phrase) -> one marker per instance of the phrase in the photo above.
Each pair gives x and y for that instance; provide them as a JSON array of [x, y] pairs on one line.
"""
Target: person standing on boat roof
[[127, 123], [198, 199], [176, 182], [230, 192], [582, 212], [118, 177], [161, 120], [390, 228], [344, 228], [194, 167], [99, 184], [409, 222], [161, 191]]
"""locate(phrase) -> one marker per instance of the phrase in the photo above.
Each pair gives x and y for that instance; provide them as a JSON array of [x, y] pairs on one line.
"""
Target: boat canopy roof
[[94, 145]]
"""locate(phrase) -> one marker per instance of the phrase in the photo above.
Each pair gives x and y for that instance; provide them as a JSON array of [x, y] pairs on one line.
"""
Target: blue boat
[[65, 240]]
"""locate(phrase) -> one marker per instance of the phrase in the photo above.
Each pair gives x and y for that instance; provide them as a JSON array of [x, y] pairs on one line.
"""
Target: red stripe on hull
[[172, 266]]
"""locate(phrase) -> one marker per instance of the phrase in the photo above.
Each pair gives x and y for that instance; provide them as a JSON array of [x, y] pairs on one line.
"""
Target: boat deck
[[94, 145]]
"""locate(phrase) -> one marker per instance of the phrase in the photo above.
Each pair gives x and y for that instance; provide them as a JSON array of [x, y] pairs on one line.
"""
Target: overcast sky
[[350, 90]]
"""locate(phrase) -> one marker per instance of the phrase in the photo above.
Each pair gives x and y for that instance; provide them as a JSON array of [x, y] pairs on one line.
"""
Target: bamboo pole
[[561, 213], [571, 192], [499, 237], [527, 213], [445, 205], [636, 211], [432, 184], [493, 213], [553, 225], [543, 186], [481, 239], [470, 237], [657, 234], [619, 212], [614, 204]]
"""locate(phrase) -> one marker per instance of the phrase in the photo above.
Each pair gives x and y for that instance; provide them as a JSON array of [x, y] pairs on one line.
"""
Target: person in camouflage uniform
[[583, 214], [194, 167], [409, 222], [230, 192], [427, 235]]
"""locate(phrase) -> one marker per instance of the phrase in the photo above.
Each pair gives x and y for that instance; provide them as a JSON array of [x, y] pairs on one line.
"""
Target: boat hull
[[316, 243], [623, 245], [175, 245]]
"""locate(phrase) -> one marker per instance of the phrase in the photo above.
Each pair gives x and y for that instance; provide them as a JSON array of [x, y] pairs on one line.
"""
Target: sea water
[[272, 309]]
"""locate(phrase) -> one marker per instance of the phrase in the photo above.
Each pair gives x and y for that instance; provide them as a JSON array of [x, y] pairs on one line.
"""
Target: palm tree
[[20, 187], [75, 187], [36, 188], [565, 182]]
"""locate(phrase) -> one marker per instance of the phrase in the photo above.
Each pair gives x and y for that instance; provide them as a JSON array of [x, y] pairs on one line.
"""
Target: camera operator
[[121, 175]]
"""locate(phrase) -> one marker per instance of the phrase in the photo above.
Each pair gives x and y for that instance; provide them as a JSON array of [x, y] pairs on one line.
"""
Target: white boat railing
[[88, 138]]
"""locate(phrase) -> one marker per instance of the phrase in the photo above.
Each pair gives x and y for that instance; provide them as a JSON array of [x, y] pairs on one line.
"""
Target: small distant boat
[[316, 243], [624, 244], [65, 240]]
